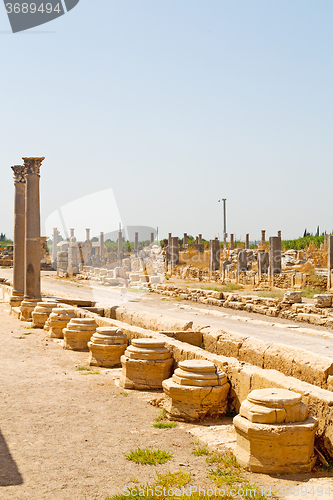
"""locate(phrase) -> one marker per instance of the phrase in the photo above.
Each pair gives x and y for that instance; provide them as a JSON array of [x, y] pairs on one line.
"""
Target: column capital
[[33, 164], [19, 174]]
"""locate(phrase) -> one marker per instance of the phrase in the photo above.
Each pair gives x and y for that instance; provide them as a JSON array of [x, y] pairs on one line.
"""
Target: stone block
[[252, 351], [58, 320], [145, 364], [323, 300], [78, 333], [274, 434], [293, 297], [41, 313], [106, 346]]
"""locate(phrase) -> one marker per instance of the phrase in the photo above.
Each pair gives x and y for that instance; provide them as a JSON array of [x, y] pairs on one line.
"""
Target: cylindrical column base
[[16, 299], [27, 308]]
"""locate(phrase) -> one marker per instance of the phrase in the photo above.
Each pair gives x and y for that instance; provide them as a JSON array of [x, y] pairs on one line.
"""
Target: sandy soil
[[63, 434]]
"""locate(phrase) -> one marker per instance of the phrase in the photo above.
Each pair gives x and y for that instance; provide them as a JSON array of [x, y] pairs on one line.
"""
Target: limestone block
[[252, 351], [191, 337], [58, 320], [279, 357], [134, 277], [106, 346], [145, 364], [323, 300], [197, 389], [41, 313], [78, 333], [293, 297], [273, 406], [274, 433], [155, 279], [275, 449], [229, 344]]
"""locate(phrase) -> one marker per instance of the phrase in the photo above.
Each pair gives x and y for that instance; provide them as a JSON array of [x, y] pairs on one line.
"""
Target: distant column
[[174, 253], [120, 244], [263, 263], [152, 238], [185, 239], [32, 293], [87, 234], [241, 262], [274, 255], [169, 239], [19, 236], [101, 244], [329, 262], [73, 255], [231, 242], [54, 248], [263, 237], [136, 242], [200, 239], [247, 241], [214, 255]]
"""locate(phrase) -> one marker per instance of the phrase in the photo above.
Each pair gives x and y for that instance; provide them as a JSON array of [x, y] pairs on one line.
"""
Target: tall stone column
[[231, 242], [274, 256], [136, 242], [120, 244], [152, 237], [19, 236], [329, 262], [214, 255], [263, 237], [101, 245], [87, 234], [247, 241], [174, 253], [185, 239], [54, 248], [32, 293]]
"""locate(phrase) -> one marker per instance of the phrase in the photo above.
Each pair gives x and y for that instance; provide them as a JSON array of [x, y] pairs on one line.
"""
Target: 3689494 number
[[32, 8]]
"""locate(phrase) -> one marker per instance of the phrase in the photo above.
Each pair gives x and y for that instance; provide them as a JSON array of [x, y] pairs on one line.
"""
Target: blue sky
[[173, 105]]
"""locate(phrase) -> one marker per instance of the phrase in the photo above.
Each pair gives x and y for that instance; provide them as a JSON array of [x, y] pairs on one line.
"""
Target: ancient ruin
[[32, 293], [106, 347], [57, 321], [274, 433], [196, 390], [145, 364], [78, 332], [41, 313]]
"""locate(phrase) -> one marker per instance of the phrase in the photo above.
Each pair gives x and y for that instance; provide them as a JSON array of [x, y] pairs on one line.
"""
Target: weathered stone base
[[76, 340], [275, 448], [16, 300], [190, 403], [27, 308], [39, 319], [107, 356], [144, 374]]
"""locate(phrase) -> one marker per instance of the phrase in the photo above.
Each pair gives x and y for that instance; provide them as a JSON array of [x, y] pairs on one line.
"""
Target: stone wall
[[303, 312]]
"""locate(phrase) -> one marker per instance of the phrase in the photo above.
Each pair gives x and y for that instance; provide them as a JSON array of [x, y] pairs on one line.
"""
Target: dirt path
[[63, 434]]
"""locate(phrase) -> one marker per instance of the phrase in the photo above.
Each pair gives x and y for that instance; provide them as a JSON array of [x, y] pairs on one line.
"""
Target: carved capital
[[19, 174], [33, 165]]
